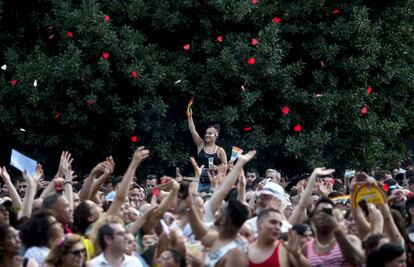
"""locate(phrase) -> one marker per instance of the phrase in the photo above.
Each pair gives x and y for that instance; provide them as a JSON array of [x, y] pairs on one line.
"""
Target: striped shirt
[[333, 258]]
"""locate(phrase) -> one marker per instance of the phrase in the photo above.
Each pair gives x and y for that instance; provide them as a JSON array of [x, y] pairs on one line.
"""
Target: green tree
[[109, 70]]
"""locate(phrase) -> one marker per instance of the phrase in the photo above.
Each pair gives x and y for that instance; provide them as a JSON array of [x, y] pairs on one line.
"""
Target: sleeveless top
[[213, 257], [272, 261], [333, 258], [202, 157]]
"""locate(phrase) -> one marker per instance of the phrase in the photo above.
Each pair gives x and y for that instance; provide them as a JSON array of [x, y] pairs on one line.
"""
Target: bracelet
[[67, 182]]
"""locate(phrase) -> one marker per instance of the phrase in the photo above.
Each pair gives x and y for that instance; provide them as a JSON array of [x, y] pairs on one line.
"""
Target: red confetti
[[297, 128], [50, 27], [369, 90], [107, 18], [251, 61], [13, 83], [254, 42], [90, 102], [364, 110], [220, 38], [70, 34], [134, 139], [57, 115], [134, 74], [187, 47], [105, 55], [254, 2], [248, 129], [285, 110], [51, 36], [277, 20], [386, 187], [322, 64], [336, 11]]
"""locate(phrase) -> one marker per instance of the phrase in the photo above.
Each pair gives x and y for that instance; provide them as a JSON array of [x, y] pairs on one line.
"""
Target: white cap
[[274, 190]]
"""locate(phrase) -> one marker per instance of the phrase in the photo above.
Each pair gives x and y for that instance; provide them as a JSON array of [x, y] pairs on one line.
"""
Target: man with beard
[[272, 196], [331, 246], [252, 179], [268, 250]]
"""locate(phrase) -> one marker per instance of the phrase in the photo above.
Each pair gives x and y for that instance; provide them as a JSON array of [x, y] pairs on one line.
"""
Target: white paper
[[22, 162], [35, 83], [4, 67]]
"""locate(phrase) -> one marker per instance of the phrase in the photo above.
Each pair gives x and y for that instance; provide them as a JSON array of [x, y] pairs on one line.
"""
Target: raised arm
[[241, 194], [390, 228], [139, 155], [299, 212], [164, 205], [16, 201], [104, 169], [199, 142], [220, 194], [31, 192]]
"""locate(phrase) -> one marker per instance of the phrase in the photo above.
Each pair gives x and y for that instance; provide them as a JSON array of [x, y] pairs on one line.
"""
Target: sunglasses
[[78, 252]]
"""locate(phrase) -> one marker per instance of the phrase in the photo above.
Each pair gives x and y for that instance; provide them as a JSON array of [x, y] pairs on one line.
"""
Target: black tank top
[[202, 158]]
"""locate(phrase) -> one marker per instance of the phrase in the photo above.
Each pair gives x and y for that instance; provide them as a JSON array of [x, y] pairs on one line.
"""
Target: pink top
[[333, 258]]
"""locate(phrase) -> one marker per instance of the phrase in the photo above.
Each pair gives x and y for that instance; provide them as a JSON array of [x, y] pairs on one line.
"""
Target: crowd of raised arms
[[226, 214]]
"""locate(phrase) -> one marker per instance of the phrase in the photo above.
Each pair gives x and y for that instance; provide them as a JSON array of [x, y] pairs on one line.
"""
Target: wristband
[[67, 182]]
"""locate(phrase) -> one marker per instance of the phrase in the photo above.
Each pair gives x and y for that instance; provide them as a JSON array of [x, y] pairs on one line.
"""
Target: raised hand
[[4, 174], [141, 154], [293, 245], [197, 169], [29, 179], [322, 172], [38, 172], [65, 165], [244, 158]]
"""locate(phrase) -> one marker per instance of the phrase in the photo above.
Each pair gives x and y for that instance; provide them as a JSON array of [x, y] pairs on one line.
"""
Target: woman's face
[[166, 259], [210, 135], [131, 246], [141, 195], [56, 229], [11, 242], [75, 257]]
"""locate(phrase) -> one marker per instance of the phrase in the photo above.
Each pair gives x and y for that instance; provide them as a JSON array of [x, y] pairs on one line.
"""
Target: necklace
[[323, 248]]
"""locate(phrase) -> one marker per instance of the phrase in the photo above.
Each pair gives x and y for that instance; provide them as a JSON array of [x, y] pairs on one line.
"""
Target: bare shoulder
[[236, 257]]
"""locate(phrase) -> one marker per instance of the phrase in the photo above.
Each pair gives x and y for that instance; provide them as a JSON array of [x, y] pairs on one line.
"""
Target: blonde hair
[[61, 248], [105, 219]]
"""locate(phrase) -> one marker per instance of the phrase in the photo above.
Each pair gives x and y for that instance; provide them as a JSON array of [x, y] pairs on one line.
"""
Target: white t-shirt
[[129, 261], [39, 254]]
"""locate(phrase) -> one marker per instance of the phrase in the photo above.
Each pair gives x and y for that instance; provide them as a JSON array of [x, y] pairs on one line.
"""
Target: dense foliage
[[110, 70]]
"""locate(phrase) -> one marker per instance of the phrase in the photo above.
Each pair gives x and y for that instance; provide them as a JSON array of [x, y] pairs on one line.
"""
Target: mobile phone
[[183, 192]]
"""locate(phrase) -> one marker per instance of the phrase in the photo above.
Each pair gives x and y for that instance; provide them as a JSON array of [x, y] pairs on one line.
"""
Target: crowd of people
[[226, 214]]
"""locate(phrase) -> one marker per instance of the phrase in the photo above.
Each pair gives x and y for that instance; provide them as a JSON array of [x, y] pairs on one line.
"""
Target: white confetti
[[35, 83], [23, 130], [177, 81], [4, 67]]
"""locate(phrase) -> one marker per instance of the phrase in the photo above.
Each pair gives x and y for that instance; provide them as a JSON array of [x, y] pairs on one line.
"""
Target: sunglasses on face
[[78, 252]]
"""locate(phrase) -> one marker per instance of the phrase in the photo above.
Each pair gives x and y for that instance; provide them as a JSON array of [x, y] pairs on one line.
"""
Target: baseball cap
[[275, 190]]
